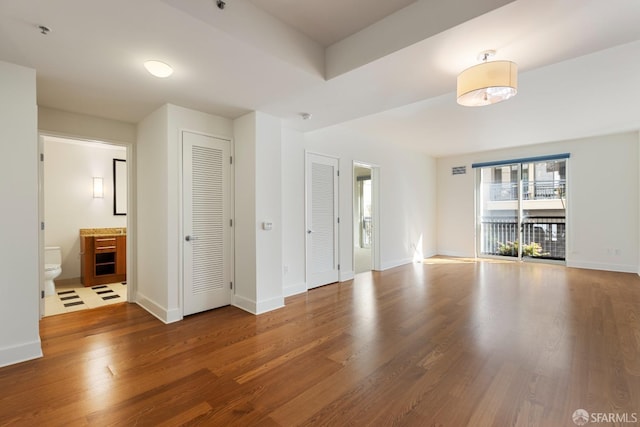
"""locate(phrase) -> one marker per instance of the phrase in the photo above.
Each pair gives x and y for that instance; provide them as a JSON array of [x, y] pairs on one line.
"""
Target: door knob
[[190, 238], [309, 231]]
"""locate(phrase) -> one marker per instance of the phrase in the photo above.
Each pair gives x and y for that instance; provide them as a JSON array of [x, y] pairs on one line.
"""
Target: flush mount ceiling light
[[487, 83], [158, 69]]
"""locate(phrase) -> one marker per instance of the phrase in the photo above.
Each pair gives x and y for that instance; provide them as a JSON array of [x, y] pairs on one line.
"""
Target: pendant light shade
[[487, 83]]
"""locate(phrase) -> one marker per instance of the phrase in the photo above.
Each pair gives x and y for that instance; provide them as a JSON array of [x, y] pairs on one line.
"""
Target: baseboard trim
[[20, 353], [298, 288], [244, 304], [161, 313], [269, 305], [430, 254], [346, 275], [621, 268], [259, 307], [174, 315], [455, 254], [395, 263]]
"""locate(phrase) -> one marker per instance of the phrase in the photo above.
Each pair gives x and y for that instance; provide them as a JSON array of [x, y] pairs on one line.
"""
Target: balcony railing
[[531, 190], [542, 237]]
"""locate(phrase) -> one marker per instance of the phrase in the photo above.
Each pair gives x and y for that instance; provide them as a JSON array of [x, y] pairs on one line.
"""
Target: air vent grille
[[458, 170]]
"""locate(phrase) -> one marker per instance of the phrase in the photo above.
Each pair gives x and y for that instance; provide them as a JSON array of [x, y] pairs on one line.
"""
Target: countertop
[[103, 232]]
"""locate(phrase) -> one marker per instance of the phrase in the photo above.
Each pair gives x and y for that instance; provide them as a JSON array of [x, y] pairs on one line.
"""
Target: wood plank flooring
[[445, 344]]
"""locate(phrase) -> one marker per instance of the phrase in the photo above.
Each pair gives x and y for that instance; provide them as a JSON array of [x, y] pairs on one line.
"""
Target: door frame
[[306, 215], [375, 213], [131, 208], [232, 268]]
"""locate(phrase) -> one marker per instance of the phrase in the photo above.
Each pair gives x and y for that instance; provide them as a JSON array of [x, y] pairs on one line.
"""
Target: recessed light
[[158, 69]]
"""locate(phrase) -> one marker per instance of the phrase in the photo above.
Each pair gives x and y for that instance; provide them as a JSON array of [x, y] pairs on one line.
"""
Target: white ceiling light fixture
[[487, 83], [158, 69]]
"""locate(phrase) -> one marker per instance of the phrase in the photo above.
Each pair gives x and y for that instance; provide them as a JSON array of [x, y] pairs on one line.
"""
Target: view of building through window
[[522, 209]]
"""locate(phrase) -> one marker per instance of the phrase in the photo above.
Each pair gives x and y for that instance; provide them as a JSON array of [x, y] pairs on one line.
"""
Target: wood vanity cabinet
[[103, 259]]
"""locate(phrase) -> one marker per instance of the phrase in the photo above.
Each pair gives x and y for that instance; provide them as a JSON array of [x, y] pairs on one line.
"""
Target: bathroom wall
[[69, 204]]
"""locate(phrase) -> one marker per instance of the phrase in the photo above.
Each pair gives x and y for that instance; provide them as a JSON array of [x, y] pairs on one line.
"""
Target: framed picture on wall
[[119, 187]]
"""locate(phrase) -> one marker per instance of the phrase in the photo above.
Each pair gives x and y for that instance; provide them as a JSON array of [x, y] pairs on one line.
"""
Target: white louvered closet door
[[322, 220], [206, 219]]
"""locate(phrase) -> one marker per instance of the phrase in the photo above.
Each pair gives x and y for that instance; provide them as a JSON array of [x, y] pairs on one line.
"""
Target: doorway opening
[[365, 230], [85, 238], [522, 209]]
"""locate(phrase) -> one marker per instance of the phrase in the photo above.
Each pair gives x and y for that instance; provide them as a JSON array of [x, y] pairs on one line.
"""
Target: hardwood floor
[[449, 344]]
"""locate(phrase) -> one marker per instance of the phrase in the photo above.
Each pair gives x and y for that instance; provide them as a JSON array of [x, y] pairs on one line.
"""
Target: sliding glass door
[[499, 207], [522, 208]]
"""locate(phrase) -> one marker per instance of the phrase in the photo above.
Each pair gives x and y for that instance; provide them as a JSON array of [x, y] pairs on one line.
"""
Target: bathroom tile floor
[[75, 297]]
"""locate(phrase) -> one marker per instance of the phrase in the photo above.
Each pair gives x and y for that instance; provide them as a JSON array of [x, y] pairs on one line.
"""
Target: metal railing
[[531, 190], [542, 237]]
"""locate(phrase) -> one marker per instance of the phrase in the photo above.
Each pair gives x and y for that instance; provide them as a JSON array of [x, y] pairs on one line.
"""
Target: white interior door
[[206, 222], [322, 220]]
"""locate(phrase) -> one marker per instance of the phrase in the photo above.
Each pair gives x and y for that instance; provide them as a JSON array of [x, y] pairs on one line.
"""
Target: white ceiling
[[330, 21], [385, 69]]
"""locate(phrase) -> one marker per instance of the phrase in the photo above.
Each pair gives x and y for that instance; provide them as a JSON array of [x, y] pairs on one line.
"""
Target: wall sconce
[[98, 188]]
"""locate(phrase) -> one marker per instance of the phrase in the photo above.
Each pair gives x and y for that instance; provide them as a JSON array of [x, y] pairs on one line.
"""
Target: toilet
[[52, 268]]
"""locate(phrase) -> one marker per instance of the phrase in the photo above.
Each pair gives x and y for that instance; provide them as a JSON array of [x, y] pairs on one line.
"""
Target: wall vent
[[458, 170]]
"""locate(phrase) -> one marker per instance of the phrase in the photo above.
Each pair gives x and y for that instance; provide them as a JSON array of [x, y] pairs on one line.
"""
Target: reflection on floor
[[439, 259], [76, 297]]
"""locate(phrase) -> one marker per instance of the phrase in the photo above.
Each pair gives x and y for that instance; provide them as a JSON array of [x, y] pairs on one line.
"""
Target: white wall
[[407, 199], [151, 214], [19, 254], [602, 200], [244, 129], [258, 252], [82, 126], [69, 205], [159, 165], [293, 211], [269, 209]]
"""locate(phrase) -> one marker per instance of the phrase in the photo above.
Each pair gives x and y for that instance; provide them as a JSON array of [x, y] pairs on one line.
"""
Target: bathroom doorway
[[83, 207], [365, 228]]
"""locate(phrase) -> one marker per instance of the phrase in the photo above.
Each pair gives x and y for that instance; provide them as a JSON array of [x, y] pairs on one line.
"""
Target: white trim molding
[[161, 313], [20, 353]]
